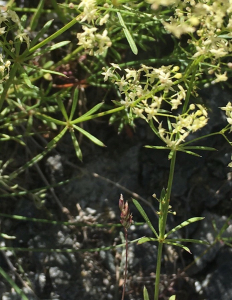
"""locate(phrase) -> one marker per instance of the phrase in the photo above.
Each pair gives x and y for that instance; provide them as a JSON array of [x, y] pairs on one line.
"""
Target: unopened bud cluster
[[126, 216]]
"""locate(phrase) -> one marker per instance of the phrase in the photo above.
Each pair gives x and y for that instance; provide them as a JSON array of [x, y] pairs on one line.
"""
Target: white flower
[[104, 19], [220, 77], [89, 10], [2, 30], [23, 36], [14, 17], [108, 73]]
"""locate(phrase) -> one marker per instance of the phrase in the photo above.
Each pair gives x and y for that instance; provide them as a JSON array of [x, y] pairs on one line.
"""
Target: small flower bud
[[125, 217], [121, 202]]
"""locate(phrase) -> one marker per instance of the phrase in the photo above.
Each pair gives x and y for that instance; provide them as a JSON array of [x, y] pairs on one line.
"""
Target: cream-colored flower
[[23, 36], [220, 77], [89, 10], [104, 19], [2, 30]]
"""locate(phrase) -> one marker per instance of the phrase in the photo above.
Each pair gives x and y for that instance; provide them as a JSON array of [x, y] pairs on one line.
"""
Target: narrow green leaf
[[145, 293], [144, 215], [35, 17], [226, 239], [127, 34], [89, 136], [157, 147], [178, 245], [59, 12], [225, 226], [88, 113], [6, 137], [49, 119], [26, 78], [76, 145], [154, 129], [146, 239], [48, 49], [189, 241], [198, 148], [189, 152], [183, 224], [13, 284], [6, 236], [74, 103], [41, 33], [62, 108], [38, 157]]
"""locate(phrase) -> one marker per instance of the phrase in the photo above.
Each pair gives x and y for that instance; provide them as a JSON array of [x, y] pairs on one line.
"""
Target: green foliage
[[160, 90]]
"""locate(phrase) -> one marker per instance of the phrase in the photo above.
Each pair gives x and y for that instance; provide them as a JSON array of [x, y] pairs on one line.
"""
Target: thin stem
[[168, 193], [125, 274], [158, 268], [163, 222], [48, 39], [8, 83]]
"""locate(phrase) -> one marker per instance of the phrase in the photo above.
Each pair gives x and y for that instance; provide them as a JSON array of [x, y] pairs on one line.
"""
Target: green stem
[[8, 83], [168, 193], [49, 39], [158, 268], [163, 221], [59, 11]]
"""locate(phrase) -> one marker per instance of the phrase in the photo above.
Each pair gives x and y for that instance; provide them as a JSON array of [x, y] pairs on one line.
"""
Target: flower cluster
[[184, 125], [4, 69], [228, 110], [211, 23], [95, 43], [141, 96], [145, 98]]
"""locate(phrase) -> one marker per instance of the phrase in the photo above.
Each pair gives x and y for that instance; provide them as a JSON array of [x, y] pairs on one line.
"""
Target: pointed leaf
[[88, 113], [26, 78], [227, 239], [89, 136], [173, 297], [38, 157], [189, 241], [144, 215], [62, 108], [155, 130], [198, 148], [146, 239], [178, 245], [41, 33], [183, 224], [35, 17], [48, 49], [128, 35], [76, 145], [74, 103], [49, 119], [8, 237], [13, 284], [145, 293], [157, 147], [189, 152]]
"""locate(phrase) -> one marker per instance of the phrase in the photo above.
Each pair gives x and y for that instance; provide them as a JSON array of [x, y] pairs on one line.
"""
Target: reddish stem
[[125, 274]]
